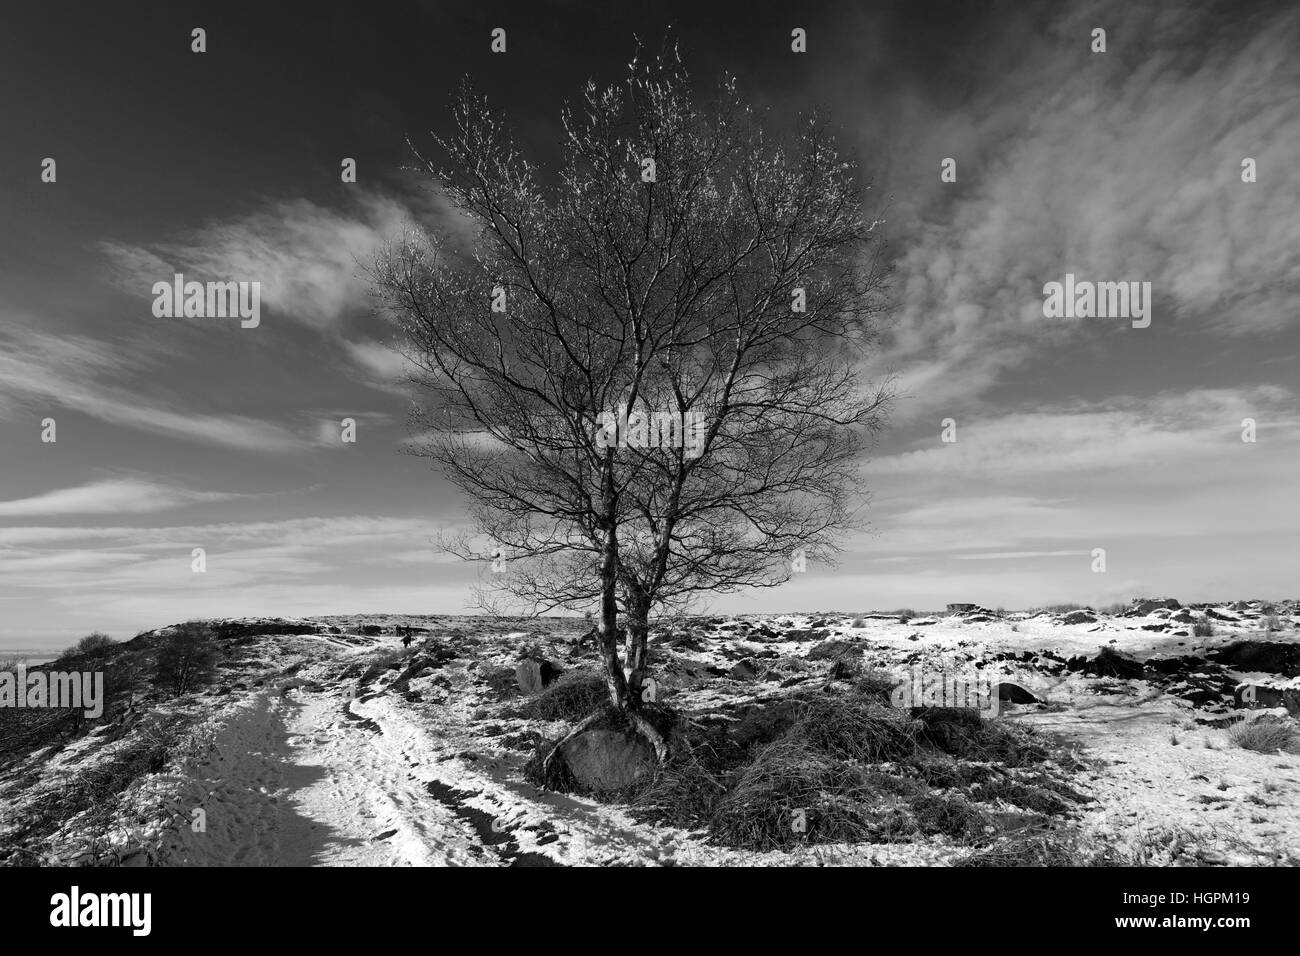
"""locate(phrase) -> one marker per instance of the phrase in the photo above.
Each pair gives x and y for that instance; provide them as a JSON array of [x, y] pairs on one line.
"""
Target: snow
[[314, 769]]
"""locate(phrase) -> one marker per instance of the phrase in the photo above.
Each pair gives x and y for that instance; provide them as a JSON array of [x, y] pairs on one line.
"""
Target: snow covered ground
[[345, 749]]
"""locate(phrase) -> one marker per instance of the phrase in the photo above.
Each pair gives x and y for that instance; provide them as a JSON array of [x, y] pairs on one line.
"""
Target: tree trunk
[[635, 649], [614, 679]]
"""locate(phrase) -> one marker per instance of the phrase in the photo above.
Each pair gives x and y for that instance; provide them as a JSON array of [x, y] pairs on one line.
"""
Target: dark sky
[[1073, 434]]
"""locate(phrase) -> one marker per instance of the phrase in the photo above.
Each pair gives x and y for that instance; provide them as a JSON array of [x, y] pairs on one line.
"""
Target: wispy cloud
[[308, 258], [110, 496], [46, 372], [1124, 165], [1120, 435]]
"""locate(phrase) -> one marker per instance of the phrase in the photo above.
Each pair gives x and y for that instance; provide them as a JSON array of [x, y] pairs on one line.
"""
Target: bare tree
[[643, 371], [187, 658]]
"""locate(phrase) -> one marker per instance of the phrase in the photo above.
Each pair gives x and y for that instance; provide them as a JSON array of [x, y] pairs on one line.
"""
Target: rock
[[533, 675], [1015, 694], [1107, 664], [1147, 605], [1271, 657], [1079, 617], [743, 670], [804, 634], [1261, 695], [1167, 666], [607, 760], [528, 677], [845, 668], [829, 650]]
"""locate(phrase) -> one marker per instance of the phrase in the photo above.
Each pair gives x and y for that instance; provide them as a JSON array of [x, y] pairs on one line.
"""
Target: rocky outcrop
[[607, 760]]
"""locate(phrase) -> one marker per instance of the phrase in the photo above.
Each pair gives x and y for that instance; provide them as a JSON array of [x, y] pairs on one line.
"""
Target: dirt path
[[302, 780]]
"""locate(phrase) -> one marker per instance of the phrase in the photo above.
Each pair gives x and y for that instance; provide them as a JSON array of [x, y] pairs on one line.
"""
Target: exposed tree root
[[548, 765]]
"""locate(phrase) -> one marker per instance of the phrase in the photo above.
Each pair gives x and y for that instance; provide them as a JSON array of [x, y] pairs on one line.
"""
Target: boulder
[[1015, 694], [1147, 605], [1108, 663], [1271, 657], [1261, 695], [1169, 666], [135, 857], [533, 675], [743, 670], [607, 760], [1079, 617], [829, 650]]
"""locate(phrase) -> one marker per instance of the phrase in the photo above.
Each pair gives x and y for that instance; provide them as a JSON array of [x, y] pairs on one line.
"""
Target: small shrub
[[1203, 628], [951, 815], [854, 729], [845, 667], [786, 782], [1266, 736], [967, 735], [876, 684], [573, 695], [92, 642]]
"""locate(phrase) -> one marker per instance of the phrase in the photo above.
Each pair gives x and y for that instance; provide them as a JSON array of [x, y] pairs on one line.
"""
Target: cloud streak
[[110, 496]]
